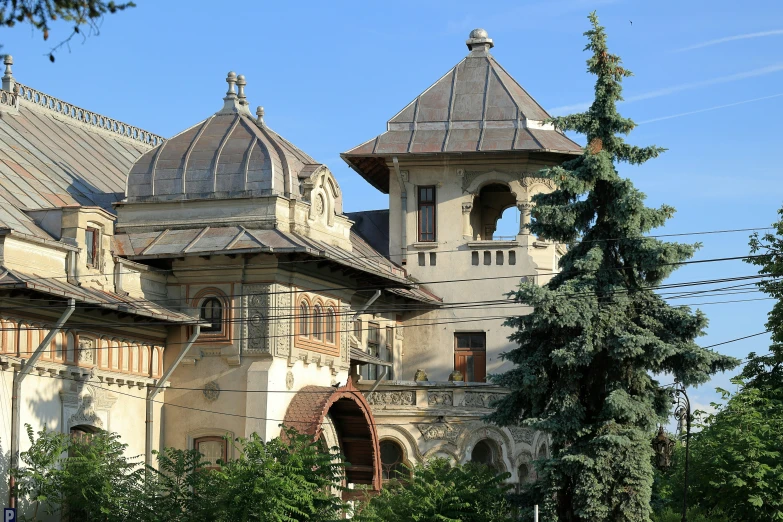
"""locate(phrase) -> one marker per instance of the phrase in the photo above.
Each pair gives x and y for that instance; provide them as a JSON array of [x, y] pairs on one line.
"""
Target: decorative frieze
[[522, 434], [392, 398], [444, 398], [439, 431], [481, 399]]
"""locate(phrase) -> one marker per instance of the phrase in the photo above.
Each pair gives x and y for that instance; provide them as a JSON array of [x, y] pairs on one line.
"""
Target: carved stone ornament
[[211, 391], [522, 434], [289, 380], [480, 399], [420, 375], [256, 326], [319, 205], [467, 207], [392, 398], [440, 398], [282, 321], [528, 181], [86, 415], [439, 431], [86, 348]]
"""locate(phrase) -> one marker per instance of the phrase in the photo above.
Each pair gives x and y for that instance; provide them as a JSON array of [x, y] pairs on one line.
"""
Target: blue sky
[[708, 85]]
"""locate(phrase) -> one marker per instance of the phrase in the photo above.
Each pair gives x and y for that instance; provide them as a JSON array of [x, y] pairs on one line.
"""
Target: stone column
[[525, 207], [466, 229]]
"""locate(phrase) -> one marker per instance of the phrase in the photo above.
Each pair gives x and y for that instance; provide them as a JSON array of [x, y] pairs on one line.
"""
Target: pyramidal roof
[[475, 107]]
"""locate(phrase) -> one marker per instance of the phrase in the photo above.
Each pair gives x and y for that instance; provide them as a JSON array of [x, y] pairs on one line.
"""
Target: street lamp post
[[663, 446]]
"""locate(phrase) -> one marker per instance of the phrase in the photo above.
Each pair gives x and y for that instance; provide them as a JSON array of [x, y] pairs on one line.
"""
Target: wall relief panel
[[255, 324]]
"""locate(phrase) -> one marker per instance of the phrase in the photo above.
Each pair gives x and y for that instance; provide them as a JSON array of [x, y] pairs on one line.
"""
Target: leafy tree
[[79, 478], [82, 14], [598, 331], [287, 479], [738, 456], [767, 369], [736, 470], [440, 492]]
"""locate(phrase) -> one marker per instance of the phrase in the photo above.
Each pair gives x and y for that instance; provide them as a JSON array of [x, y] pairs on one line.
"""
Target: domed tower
[[232, 169], [239, 227]]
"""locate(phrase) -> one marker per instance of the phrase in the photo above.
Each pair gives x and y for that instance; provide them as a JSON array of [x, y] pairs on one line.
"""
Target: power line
[[496, 277], [466, 306], [350, 257], [271, 391]]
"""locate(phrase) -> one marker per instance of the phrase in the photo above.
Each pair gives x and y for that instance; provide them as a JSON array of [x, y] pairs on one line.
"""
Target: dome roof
[[230, 154]]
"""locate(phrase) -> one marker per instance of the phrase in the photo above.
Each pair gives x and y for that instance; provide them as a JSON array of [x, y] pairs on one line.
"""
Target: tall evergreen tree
[[586, 356]]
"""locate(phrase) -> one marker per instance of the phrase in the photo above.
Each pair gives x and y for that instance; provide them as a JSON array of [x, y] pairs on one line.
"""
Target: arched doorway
[[346, 413]]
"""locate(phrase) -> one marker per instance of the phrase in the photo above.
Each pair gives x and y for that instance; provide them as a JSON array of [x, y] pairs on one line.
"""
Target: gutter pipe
[[403, 211], [16, 396], [155, 388]]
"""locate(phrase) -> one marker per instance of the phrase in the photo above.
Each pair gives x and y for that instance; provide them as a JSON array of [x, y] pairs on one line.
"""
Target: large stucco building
[[211, 284]]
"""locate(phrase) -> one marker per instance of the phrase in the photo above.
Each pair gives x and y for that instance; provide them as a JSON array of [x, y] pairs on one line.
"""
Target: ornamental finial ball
[[232, 75], [8, 60], [478, 33], [241, 78]]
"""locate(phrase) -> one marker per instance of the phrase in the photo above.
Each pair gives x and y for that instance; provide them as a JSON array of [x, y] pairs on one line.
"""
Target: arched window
[[304, 319], [330, 325], [484, 453], [212, 311], [318, 322], [391, 460]]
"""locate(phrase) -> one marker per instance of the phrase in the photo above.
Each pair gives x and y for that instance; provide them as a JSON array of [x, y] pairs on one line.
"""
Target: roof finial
[[479, 41], [231, 79], [260, 114], [231, 105], [241, 87], [8, 77]]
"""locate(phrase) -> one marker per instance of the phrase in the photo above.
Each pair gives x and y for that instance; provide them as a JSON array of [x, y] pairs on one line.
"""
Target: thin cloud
[[747, 36], [762, 71], [708, 109]]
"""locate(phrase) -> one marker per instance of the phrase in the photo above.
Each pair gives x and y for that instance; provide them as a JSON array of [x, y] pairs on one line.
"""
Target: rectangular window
[[213, 449], [426, 214], [390, 351], [91, 239], [470, 356], [373, 348], [357, 329]]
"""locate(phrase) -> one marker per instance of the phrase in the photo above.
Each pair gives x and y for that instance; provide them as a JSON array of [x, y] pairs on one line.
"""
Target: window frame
[[373, 348], [212, 438], [390, 351], [330, 325], [92, 246], [427, 204], [398, 467], [311, 327], [478, 353], [317, 324], [212, 329], [304, 319]]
